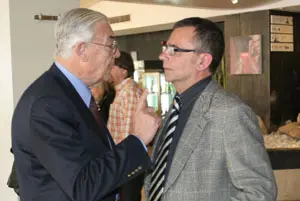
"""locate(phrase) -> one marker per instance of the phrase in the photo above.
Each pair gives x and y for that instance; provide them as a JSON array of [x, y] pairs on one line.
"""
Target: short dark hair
[[208, 37], [125, 61]]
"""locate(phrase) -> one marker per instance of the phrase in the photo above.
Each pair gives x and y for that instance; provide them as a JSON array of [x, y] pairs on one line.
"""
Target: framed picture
[[246, 55]]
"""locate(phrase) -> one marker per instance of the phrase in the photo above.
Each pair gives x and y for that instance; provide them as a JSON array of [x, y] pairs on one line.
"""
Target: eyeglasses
[[172, 49], [113, 46]]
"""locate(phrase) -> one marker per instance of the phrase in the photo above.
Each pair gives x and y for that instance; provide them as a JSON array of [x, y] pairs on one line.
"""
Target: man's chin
[[106, 77]]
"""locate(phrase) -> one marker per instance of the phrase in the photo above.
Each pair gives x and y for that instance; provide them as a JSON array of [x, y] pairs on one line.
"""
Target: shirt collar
[[79, 86], [122, 84], [194, 91]]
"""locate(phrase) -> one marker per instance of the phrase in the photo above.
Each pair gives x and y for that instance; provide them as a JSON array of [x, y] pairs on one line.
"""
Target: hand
[[144, 121]]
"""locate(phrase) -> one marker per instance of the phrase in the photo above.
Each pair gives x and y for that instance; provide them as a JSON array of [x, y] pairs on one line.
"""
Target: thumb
[[143, 100]]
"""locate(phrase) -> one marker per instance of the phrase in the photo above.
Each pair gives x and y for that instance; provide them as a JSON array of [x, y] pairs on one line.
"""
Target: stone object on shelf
[[285, 129], [291, 129], [295, 132]]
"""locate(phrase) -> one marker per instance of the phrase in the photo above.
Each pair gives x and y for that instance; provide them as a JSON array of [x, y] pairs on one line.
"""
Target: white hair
[[76, 25]]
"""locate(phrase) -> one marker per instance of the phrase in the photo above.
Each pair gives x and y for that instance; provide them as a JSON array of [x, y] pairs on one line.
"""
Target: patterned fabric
[[220, 155], [123, 107], [158, 175]]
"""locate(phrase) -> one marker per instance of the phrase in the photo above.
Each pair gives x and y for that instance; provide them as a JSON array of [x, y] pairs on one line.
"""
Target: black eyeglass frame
[[172, 49]]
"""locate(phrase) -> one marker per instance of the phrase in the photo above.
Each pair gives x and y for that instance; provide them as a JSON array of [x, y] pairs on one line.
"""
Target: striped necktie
[[158, 175]]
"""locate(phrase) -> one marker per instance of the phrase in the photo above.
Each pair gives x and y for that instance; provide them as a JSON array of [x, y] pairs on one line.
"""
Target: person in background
[[127, 95], [62, 150], [210, 146], [121, 111]]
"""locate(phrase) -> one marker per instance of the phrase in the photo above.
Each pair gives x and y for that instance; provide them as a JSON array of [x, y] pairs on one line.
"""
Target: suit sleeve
[[247, 160], [58, 146]]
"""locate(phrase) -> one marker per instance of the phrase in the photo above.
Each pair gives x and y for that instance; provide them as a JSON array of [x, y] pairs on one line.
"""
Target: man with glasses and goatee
[[210, 147]]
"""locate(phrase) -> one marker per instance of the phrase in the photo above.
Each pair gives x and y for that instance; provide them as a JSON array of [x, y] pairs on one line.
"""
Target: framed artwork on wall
[[246, 55]]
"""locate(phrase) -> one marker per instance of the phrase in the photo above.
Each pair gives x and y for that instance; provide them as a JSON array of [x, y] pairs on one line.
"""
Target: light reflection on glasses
[[171, 50]]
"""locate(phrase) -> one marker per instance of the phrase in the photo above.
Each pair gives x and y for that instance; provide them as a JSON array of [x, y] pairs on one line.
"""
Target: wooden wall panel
[[147, 44], [252, 89], [231, 29]]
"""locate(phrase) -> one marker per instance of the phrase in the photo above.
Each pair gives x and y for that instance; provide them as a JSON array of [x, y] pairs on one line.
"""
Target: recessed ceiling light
[[234, 1]]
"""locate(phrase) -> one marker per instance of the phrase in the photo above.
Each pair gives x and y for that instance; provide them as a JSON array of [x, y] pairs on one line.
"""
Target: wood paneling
[[231, 28], [147, 45], [252, 89]]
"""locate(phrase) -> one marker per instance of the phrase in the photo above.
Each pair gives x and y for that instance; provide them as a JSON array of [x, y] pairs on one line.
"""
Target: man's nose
[[163, 55]]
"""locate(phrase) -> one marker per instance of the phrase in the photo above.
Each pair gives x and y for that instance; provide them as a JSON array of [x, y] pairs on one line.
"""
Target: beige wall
[[26, 47], [6, 101], [32, 41]]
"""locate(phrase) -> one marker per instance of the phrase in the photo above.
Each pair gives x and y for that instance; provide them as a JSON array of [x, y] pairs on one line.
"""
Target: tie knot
[[93, 105], [177, 102]]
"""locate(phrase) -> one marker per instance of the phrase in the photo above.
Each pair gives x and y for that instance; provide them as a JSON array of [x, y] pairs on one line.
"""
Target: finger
[[143, 100], [151, 110], [158, 121]]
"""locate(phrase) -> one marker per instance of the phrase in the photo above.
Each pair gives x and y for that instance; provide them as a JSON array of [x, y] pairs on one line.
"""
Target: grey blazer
[[220, 155]]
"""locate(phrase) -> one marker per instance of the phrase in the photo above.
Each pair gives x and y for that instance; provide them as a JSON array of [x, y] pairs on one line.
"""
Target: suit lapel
[[75, 98], [191, 134]]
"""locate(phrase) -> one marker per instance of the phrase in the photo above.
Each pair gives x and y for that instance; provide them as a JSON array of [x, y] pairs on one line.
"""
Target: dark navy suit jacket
[[61, 153]]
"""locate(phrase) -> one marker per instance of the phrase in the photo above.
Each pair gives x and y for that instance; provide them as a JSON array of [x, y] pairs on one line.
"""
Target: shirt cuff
[[145, 147]]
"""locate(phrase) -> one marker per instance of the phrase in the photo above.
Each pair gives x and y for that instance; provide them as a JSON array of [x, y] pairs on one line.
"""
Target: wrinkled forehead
[[103, 32], [182, 35]]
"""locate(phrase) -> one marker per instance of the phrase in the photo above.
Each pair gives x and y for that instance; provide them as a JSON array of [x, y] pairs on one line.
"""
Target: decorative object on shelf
[[292, 129], [246, 55], [282, 33], [279, 141]]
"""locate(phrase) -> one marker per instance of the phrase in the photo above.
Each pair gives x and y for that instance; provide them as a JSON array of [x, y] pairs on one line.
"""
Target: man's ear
[[204, 61], [80, 51]]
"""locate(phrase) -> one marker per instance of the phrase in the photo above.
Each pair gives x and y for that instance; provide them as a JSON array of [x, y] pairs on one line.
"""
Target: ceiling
[[216, 4], [291, 9], [222, 4]]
